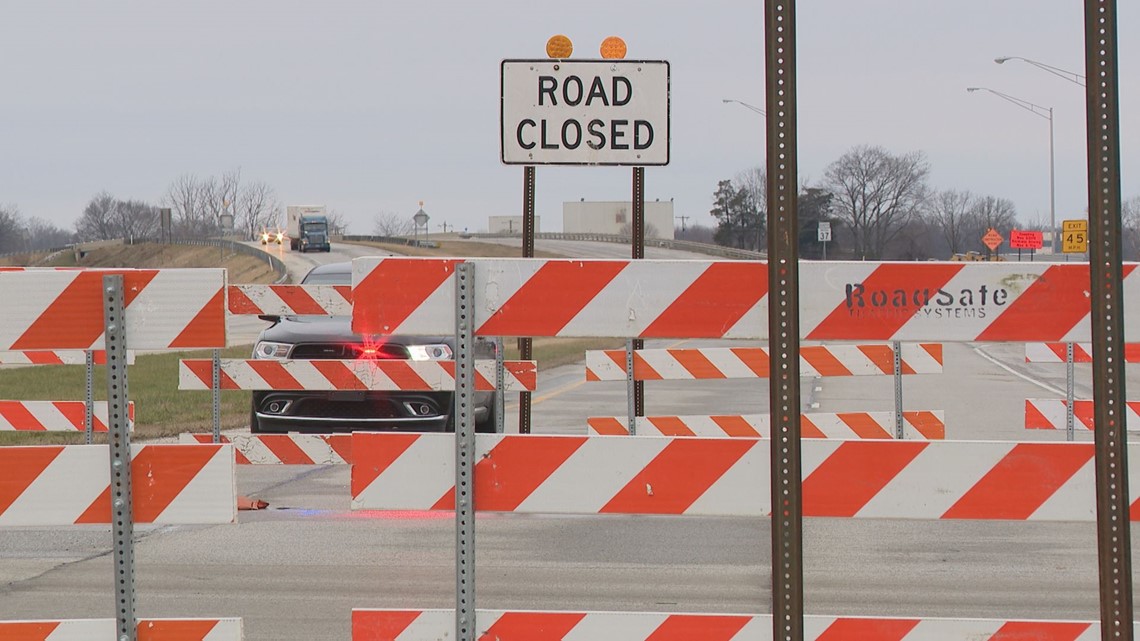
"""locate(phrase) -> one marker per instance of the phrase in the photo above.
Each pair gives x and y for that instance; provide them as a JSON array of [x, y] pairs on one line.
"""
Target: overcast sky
[[372, 107]]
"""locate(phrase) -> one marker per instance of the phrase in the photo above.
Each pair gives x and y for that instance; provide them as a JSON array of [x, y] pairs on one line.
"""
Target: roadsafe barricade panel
[[918, 424], [1082, 352], [1050, 414], [164, 309], [70, 484], [843, 301], [702, 476]]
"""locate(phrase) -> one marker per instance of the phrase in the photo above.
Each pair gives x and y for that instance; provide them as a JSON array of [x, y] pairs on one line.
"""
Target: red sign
[[992, 239], [1025, 239]]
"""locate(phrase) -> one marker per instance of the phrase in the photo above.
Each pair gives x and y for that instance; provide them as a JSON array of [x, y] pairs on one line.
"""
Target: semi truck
[[307, 229]]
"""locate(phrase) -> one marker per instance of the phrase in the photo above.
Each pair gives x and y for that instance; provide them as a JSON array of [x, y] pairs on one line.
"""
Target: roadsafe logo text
[[924, 303]]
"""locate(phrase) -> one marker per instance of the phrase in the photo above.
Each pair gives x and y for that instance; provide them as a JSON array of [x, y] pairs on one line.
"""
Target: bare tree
[[257, 209], [1130, 224], [98, 219], [188, 197], [650, 231], [41, 234], [11, 229], [338, 224], [875, 194], [393, 225], [135, 219], [950, 213]]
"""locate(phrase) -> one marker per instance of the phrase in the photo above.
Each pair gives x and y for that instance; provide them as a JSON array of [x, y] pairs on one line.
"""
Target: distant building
[[510, 224], [616, 217]]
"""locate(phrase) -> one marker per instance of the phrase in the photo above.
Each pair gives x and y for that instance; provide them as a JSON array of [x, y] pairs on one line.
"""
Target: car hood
[[333, 329]]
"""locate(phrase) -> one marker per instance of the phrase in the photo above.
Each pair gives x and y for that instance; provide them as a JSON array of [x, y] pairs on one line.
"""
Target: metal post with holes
[[525, 344], [216, 390], [630, 390], [500, 383], [783, 321], [119, 445], [638, 252], [89, 399], [1069, 392], [1102, 110], [896, 347], [464, 453]]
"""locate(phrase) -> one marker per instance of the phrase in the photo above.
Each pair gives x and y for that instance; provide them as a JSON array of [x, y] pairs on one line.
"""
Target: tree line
[[881, 207], [197, 204]]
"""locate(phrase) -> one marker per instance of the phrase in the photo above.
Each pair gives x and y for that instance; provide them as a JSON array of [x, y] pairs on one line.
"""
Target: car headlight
[[269, 349], [439, 352]]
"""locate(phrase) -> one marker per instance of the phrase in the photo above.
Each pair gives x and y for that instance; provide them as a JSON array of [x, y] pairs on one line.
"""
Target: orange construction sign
[[992, 239]]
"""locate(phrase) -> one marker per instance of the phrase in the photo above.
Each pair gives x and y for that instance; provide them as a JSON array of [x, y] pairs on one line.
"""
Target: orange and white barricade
[[360, 374], [56, 416], [281, 300], [500, 625], [752, 362], [104, 630], [918, 424], [283, 449]]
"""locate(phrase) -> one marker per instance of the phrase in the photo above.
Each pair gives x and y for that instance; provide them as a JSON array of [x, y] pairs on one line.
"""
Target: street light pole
[[1071, 76], [1046, 113]]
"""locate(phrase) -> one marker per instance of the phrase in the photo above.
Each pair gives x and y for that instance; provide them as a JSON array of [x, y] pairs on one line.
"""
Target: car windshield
[[314, 226]]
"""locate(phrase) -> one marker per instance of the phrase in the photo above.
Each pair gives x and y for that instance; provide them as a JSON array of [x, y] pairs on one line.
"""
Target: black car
[[331, 337]]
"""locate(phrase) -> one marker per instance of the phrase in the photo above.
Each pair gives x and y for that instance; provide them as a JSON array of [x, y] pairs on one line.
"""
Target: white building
[[616, 217]]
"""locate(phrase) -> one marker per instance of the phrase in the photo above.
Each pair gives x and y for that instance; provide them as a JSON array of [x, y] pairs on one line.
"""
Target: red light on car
[[374, 352]]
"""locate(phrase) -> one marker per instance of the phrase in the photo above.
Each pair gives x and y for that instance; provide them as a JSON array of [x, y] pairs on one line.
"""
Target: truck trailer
[[307, 229]]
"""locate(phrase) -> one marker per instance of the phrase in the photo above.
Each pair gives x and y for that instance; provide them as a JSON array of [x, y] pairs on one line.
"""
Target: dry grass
[[459, 248]]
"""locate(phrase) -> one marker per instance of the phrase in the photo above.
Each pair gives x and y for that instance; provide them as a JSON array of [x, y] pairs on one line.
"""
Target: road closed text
[[589, 112]]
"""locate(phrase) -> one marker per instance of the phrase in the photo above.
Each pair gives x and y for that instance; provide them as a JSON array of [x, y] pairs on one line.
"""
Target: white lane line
[[1029, 379]]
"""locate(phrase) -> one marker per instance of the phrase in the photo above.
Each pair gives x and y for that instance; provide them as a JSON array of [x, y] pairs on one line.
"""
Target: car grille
[[309, 351], [324, 408]]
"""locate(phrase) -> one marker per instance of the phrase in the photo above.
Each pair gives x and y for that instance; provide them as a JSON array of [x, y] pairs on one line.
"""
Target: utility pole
[[683, 219]]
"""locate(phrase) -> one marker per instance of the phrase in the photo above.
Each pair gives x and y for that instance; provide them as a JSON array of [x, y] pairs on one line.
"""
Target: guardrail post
[[464, 454], [1114, 530], [119, 445], [89, 399], [896, 347], [1069, 392]]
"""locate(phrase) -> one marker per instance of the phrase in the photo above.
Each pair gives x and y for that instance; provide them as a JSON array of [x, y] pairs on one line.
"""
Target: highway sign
[[1026, 239], [824, 231], [1074, 236], [587, 112], [992, 239]]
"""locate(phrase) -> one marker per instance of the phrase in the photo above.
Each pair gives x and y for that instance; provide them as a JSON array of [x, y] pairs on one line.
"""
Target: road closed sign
[[587, 112]]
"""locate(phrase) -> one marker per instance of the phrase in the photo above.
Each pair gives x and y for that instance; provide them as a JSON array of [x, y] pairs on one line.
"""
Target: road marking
[[1029, 379]]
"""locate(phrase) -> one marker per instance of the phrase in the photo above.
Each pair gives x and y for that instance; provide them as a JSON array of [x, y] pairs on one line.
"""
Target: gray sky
[[374, 106]]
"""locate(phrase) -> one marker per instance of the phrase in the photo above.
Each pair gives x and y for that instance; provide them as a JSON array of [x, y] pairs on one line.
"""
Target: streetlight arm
[[1071, 76], [746, 105], [1037, 110]]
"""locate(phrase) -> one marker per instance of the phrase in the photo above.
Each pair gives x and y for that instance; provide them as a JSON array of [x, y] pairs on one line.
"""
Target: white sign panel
[[585, 112], [824, 231]]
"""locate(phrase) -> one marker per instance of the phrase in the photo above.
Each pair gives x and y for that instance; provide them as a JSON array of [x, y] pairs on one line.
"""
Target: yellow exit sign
[[1074, 236]]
